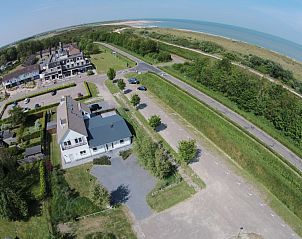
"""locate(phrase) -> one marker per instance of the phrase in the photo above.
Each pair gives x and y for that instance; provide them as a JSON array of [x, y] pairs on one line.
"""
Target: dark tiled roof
[[33, 151], [22, 71], [106, 130]]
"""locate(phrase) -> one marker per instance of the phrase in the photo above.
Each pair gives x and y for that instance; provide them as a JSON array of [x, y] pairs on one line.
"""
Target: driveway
[[128, 183]]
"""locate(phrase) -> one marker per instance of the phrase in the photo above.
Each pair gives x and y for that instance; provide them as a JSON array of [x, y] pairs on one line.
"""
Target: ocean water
[[274, 43]]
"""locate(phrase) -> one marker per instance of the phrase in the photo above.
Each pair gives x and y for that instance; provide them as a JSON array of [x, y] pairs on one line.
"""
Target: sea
[[261, 39]]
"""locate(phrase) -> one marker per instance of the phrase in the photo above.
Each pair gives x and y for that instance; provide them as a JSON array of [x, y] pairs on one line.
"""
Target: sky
[[24, 18]]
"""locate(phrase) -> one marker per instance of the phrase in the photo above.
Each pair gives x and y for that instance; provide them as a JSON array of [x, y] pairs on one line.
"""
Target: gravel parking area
[[128, 183]]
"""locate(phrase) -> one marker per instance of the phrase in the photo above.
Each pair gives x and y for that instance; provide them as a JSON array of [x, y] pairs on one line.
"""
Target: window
[[80, 140], [94, 149], [68, 142], [83, 152], [76, 141], [65, 143], [121, 141]]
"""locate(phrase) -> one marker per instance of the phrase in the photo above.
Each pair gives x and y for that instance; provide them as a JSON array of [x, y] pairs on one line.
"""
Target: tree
[[12, 205], [187, 150], [111, 74], [121, 84], [17, 115], [135, 100], [163, 166], [99, 195], [154, 121]]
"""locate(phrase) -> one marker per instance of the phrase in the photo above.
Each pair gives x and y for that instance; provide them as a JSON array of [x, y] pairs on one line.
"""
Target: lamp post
[[240, 230]]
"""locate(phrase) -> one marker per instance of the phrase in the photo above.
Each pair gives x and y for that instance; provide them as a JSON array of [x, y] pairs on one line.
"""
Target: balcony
[[65, 147]]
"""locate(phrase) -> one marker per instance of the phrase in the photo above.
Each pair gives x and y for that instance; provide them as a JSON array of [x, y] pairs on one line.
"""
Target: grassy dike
[[260, 122], [265, 167]]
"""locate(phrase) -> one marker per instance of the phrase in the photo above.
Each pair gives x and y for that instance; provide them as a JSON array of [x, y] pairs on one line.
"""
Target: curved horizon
[[294, 49]]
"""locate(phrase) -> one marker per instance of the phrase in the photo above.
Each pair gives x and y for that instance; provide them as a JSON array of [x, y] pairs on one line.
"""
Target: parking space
[[47, 99], [128, 183]]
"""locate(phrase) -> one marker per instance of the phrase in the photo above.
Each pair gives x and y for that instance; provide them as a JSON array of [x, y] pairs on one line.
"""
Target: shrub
[[42, 193], [187, 150], [125, 153], [104, 160], [100, 235], [90, 72], [99, 195], [154, 121]]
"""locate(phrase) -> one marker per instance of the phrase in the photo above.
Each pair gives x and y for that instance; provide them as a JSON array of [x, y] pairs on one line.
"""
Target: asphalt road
[[269, 141]]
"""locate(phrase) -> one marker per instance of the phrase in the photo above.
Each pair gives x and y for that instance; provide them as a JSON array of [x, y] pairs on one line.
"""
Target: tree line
[[250, 93], [84, 38]]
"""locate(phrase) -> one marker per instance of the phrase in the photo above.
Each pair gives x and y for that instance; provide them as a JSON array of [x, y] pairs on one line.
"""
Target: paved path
[[269, 141], [227, 203], [128, 183]]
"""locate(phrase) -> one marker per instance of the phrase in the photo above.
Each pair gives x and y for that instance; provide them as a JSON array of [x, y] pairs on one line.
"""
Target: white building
[[80, 134], [66, 61]]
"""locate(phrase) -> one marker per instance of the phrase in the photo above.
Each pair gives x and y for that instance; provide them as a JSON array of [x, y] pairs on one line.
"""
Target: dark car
[[95, 107], [15, 104], [37, 106], [54, 92], [133, 81], [142, 88]]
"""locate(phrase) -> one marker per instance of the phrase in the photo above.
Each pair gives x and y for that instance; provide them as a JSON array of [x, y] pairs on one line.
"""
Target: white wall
[[74, 154]]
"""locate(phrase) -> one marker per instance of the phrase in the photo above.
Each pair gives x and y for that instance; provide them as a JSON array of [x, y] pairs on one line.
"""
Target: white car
[[26, 101]]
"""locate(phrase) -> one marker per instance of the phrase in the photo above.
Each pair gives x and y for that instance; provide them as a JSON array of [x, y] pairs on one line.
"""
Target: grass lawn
[[112, 221], [35, 227], [55, 154], [105, 60], [112, 87], [170, 196], [93, 89], [261, 122], [79, 178], [262, 165]]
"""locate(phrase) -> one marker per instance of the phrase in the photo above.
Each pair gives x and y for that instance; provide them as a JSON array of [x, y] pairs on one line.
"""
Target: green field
[[261, 122], [105, 60], [35, 227], [112, 221], [260, 163], [79, 178]]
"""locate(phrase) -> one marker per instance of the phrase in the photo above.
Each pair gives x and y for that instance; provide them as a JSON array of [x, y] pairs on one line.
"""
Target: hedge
[[43, 130], [89, 95], [32, 135], [104, 160]]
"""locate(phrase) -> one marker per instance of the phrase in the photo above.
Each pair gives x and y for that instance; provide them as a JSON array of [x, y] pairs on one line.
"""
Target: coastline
[[147, 24]]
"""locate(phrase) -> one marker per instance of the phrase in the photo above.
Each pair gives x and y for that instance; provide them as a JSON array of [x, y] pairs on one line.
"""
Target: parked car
[[26, 109], [133, 81], [26, 100], [54, 92], [37, 106], [142, 88], [15, 104], [95, 107]]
